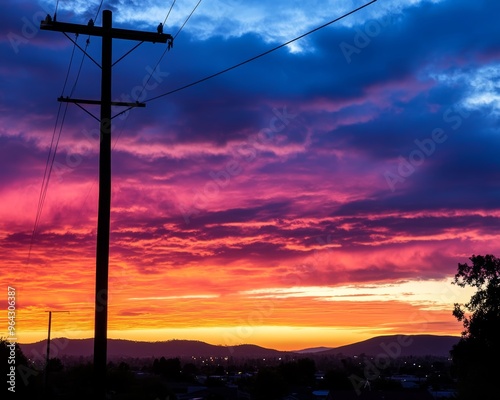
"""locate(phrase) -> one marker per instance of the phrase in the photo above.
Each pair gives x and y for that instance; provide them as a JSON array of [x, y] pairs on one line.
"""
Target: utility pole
[[48, 351], [107, 33]]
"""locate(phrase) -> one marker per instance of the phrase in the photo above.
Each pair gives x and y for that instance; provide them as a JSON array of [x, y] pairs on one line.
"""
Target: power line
[[259, 55], [82, 50], [50, 159], [168, 47], [54, 144], [127, 53], [80, 68], [187, 19], [137, 45], [48, 172], [69, 67], [172, 6], [121, 58], [224, 70], [97, 13], [149, 78], [243, 62]]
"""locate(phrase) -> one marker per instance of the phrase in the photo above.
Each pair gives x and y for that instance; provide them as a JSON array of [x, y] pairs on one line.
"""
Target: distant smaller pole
[[47, 359], [48, 353]]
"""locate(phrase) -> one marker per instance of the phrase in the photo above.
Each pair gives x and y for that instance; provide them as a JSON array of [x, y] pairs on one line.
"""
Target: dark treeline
[[230, 378]]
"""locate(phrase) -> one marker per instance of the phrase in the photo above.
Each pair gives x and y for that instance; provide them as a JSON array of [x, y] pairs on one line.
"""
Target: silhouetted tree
[[120, 377], [477, 354], [219, 370], [307, 371], [156, 366], [55, 365], [337, 379], [269, 384], [298, 373], [189, 370], [290, 372], [170, 368], [78, 381]]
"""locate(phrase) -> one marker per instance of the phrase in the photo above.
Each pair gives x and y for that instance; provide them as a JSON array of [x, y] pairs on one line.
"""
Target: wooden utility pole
[[108, 33], [47, 356]]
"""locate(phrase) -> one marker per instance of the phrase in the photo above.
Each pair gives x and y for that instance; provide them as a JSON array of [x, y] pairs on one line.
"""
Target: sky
[[317, 196]]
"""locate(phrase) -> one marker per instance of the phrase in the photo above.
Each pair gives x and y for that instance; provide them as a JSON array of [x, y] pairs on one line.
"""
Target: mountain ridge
[[398, 346], [390, 345]]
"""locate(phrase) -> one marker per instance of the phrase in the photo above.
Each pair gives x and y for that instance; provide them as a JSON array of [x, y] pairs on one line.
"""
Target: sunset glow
[[318, 196]]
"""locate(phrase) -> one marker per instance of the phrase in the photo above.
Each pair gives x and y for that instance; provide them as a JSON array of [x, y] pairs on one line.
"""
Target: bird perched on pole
[[160, 28]]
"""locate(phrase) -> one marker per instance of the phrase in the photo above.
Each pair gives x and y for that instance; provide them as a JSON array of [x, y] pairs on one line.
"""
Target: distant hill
[[312, 350], [393, 346], [399, 345]]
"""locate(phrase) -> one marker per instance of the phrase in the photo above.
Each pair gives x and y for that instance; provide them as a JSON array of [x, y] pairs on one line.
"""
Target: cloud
[[429, 294]]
